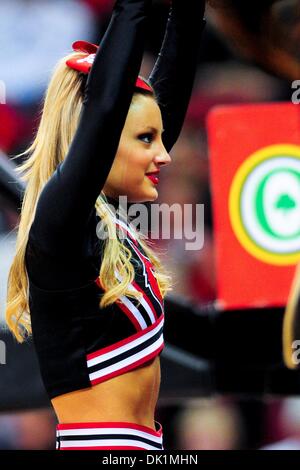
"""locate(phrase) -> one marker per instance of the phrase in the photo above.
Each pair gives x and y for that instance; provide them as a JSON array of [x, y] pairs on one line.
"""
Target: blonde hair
[[58, 124], [289, 321]]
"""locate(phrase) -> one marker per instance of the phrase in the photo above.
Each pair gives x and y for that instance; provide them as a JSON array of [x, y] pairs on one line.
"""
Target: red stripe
[[129, 367], [104, 448], [130, 315], [98, 282], [109, 424], [125, 341], [150, 276]]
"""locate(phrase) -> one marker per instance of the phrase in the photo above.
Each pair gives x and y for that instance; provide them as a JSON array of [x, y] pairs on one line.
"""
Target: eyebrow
[[153, 129]]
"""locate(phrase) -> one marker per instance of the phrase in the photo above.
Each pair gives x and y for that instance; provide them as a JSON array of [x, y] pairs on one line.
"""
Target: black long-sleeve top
[[66, 204], [78, 344]]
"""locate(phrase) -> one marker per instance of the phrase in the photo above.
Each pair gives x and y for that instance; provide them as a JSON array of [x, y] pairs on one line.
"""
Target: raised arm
[[174, 71], [68, 197]]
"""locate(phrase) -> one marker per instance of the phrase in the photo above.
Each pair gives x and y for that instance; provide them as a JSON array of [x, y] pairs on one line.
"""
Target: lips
[[153, 177]]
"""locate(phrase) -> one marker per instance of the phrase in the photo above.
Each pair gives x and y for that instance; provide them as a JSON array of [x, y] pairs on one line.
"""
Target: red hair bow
[[84, 63]]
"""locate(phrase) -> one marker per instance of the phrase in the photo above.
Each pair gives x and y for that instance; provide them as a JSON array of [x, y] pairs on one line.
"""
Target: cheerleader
[[95, 305]]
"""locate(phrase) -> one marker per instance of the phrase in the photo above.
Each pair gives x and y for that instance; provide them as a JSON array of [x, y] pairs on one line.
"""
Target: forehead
[[144, 111]]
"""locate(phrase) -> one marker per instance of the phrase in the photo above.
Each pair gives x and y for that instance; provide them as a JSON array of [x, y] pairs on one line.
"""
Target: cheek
[[130, 165], [136, 164], [121, 166]]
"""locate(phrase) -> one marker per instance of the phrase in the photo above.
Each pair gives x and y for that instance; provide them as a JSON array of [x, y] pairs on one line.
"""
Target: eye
[[146, 137]]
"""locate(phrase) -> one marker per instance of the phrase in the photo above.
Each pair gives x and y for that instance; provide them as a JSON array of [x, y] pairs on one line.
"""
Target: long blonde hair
[[58, 124], [289, 322]]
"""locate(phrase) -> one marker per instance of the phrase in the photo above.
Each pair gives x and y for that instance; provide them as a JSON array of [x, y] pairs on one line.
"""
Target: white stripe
[[126, 227], [107, 443], [135, 312], [145, 273], [125, 347], [128, 361], [108, 430], [148, 309], [143, 302]]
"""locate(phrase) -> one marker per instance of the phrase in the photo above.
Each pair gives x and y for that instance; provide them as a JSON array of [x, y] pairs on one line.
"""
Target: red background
[[236, 132]]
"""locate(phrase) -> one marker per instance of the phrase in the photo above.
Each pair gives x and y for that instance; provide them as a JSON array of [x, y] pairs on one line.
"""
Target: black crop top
[[77, 343]]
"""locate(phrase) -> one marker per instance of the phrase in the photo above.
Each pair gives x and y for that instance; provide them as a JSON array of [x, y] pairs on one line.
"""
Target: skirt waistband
[[108, 436]]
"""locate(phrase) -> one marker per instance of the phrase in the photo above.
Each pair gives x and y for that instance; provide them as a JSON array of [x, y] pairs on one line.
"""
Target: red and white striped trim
[[126, 228], [108, 435], [126, 354], [148, 271], [133, 312]]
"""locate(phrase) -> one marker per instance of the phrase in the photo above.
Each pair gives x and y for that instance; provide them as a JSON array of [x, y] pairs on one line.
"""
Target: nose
[[162, 157]]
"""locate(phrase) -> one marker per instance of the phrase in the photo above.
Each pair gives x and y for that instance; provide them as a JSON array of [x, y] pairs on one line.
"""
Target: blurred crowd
[[34, 34]]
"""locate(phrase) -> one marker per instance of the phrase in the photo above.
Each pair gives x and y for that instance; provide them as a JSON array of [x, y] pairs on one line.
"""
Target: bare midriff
[[130, 397]]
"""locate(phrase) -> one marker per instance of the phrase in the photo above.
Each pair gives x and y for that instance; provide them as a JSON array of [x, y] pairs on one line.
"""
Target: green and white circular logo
[[264, 204]]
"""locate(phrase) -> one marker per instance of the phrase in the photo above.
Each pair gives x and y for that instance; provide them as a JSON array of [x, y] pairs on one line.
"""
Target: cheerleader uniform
[[77, 343]]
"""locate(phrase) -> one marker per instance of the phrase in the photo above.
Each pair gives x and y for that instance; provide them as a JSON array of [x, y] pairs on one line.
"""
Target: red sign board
[[255, 180]]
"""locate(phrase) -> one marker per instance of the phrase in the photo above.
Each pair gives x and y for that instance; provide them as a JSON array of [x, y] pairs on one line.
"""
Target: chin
[[153, 196], [148, 195], [143, 199]]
